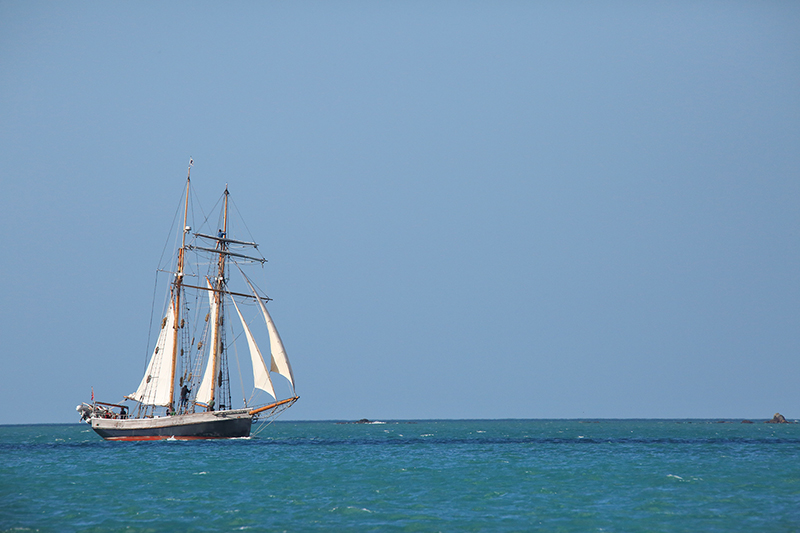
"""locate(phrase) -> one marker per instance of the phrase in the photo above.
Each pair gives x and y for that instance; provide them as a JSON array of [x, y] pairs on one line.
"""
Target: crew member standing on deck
[[184, 396]]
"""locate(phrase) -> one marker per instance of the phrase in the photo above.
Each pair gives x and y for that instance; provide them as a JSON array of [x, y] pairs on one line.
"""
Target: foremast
[[176, 292]]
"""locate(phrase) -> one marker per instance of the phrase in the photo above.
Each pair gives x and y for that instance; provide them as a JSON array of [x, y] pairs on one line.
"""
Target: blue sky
[[470, 209]]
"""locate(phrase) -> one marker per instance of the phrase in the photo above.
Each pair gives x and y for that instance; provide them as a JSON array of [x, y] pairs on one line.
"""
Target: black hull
[[186, 427]]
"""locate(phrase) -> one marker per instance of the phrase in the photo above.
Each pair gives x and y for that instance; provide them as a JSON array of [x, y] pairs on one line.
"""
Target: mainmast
[[176, 292], [218, 297]]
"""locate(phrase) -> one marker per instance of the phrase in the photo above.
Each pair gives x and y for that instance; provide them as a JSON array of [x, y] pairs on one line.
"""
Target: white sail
[[204, 392], [261, 378], [280, 361], [155, 386]]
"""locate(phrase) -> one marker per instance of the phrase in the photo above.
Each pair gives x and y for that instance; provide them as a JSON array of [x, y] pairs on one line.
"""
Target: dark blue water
[[486, 475]]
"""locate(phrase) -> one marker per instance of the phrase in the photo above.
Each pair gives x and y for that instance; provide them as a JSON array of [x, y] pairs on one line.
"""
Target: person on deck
[[184, 396]]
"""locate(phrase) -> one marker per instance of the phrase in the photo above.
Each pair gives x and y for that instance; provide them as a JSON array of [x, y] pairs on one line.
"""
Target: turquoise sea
[[449, 475]]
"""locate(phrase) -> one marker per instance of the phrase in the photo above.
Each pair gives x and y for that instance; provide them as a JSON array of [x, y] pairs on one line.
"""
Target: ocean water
[[479, 475]]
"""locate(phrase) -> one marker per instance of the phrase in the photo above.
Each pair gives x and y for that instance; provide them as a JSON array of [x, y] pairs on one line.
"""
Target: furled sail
[[261, 378], [155, 386], [280, 361], [204, 391]]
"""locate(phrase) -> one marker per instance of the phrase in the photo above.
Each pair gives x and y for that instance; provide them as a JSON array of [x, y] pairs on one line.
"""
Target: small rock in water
[[362, 421], [778, 419], [747, 421]]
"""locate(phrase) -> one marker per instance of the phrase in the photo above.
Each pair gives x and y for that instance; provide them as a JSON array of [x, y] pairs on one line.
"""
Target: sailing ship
[[186, 390]]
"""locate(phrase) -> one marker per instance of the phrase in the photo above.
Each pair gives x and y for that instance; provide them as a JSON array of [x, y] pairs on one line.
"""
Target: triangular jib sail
[[261, 378], [280, 361], [155, 388]]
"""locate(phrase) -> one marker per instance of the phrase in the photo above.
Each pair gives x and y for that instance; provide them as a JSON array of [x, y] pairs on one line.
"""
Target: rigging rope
[[150, 327], [241, 218], [272, 418]]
